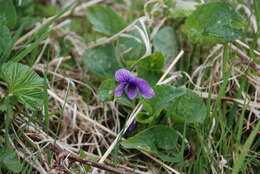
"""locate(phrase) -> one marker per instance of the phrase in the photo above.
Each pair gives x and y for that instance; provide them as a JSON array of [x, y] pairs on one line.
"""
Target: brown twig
[[37, 137], [246, 59], [64, 153], [251, 104], [247, 47]]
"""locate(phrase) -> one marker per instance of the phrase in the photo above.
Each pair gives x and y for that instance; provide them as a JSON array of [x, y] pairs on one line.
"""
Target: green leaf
[[182, 9], [153, 140], [150, 67], [216, 22], [180, 104], [86, 94], [164, 95], [101, 61], [106, 90], [155, 62], [130, 46], [7, 42], [189, 108], [105, 20], [144, 117], [24, 84], [5, 39], [7, 13], [9, 160], [166, 42]]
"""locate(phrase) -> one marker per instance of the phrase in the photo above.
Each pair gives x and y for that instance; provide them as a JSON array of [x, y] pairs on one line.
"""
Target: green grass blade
[[241, 158]]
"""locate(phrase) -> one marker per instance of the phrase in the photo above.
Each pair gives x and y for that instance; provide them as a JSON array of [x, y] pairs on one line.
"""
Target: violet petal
[[132, 127], [144, 88], [123, 75], [120, 89], [131, 91]]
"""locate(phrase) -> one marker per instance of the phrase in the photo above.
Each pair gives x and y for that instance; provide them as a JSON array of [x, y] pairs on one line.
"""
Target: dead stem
[[64, 153], [245, 59]]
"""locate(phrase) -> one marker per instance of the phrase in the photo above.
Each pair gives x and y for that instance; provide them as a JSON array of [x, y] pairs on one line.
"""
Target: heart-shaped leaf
[[130, 46], [101, 61], [216, 22], [154, 140], [189, 108], [166, 42], [180, 104], [105, 20], [164, 95], [9, 160]]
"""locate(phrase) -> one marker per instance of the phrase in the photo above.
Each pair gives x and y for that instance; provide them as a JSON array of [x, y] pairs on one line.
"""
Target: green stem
[[46, 104], [8, 120]]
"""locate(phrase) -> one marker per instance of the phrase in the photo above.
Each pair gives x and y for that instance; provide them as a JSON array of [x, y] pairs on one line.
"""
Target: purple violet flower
[[132, 127], [127, 80]]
